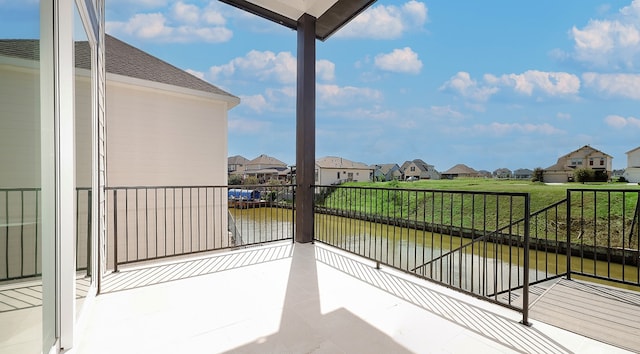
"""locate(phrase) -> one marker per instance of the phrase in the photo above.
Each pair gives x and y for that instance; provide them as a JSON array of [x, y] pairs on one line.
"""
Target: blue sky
[[491, 84]]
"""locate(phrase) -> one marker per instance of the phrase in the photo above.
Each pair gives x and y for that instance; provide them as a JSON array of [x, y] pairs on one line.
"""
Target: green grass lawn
[[542, 195], [599, 211]]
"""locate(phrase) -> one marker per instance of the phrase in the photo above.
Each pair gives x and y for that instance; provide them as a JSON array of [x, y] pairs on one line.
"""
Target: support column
[[305, 128]]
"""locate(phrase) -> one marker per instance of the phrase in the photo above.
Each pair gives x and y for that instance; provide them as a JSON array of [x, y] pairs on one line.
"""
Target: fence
[[21, 232], [604, 233], [147, 223], [463, 240]]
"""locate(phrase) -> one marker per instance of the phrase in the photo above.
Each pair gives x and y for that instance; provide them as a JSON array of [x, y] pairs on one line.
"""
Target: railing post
[[525, 288], [115, 230], [568, 236]]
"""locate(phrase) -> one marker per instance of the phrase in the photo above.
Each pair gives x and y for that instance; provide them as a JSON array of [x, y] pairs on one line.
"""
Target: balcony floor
[[302, 298]]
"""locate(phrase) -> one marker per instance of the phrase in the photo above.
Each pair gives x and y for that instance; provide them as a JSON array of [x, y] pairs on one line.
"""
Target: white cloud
[[257, 102], [611, 42], [509, 128], [264, 66], [247, 126], [325, 70], [399, 60], [445, 111], [341, 95], [619, 122], [462, 84], [620, 85], [563, 116], [549, 83], [269, 66], [386, 22], [184, 23]]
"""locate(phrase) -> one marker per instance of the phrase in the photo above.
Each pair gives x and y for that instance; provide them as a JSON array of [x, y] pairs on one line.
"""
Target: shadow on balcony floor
[[302, 298]]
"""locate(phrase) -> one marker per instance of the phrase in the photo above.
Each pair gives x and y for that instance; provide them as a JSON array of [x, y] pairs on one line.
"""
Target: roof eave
[[332, 20]]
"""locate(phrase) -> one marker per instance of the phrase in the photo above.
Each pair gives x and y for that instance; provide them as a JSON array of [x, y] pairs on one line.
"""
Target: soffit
[[330, 15]]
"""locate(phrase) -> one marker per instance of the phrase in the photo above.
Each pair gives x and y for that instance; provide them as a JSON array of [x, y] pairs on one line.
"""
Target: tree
[[235, 180], [538, 175]]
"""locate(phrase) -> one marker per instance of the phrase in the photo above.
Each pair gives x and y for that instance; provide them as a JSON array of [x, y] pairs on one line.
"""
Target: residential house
[[386, 172], [485, 174], [502, 173], [632, 172], [458, 171], [265, 168], [151, 103], [236, 164], [332, 170], [585, 157], [419, 169], [523, 173]]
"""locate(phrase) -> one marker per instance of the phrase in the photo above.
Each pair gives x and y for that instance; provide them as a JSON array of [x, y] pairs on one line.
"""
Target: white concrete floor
[[306, 298]]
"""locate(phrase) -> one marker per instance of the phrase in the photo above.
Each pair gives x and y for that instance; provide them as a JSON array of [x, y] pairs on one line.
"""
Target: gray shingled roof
[[121, 59]]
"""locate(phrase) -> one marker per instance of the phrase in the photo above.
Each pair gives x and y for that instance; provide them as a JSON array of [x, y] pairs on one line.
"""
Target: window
[[590, 162], [338, 175], [601, 162], [413, 168]]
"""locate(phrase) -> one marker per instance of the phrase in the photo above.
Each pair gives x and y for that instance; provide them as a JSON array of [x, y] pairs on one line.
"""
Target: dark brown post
[[305, 128]]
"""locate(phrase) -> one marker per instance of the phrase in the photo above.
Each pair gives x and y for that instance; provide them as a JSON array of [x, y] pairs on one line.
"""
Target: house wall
[[556, 177], [327, 176], [633, 158], [20, 160], [158, 138], [632, 174], [19, 128]]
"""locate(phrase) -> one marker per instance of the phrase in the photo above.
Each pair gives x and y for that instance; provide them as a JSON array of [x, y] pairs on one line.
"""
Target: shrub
[[583, 175], [235, 180], [538, 175]]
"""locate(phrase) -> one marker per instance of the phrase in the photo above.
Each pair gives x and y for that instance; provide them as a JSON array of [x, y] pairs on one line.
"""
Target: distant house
[[523, 173], [502, 173], [419, 169], [458, 171], [585, 157], [387, 172], [236, 164], [265, 168], [335, 170], [632, 172]]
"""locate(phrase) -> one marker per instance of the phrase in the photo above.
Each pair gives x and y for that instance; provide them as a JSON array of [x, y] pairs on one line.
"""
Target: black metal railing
[[21, 232], [604, 232], [147, 222], [460, 239]]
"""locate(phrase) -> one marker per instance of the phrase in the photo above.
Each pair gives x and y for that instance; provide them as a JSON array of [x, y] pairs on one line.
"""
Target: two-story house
[[585, 157], [632, 172], [419, 169], [387, 172]]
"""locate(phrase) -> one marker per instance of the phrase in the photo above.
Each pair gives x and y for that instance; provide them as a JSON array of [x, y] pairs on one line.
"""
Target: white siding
[[157, 139], [633, 158]]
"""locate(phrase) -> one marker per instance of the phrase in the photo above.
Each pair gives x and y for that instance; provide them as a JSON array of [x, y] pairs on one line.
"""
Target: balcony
[[201, 269], [302, 298]]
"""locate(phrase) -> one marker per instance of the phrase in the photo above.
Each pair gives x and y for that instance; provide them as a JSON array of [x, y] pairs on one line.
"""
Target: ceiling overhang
[[330, 15]]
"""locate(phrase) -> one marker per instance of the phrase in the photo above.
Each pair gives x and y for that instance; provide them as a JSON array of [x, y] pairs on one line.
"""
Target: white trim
[[66, 170], [116, 79]]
